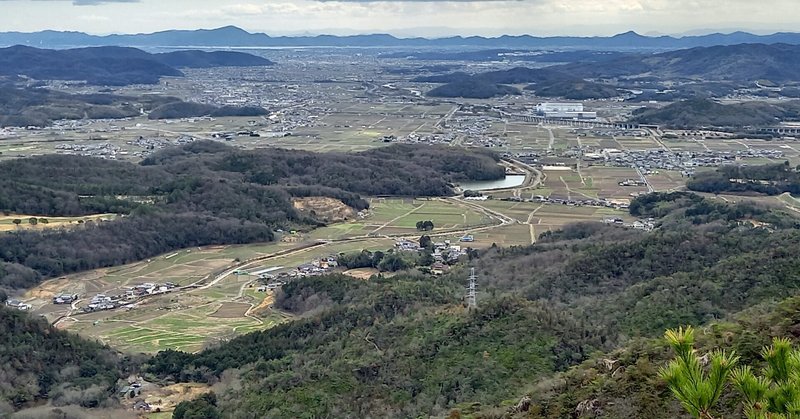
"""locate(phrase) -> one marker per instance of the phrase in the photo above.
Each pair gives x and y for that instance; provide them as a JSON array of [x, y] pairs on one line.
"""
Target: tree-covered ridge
[[702, 112], [24, 106], [38, 363], [200, 194], [396, 348], [625, 382], [115, 66], [405, 346], [771, 179]]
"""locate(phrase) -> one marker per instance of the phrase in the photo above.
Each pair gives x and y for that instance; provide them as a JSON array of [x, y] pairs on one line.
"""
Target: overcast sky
[[428, 18]]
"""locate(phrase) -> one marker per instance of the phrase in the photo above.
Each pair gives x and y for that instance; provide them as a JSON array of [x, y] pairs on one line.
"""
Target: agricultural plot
[[168, 323], [637, 143], [666, 180], [605, 181], [400, 217], [28, 222], [532, 219]]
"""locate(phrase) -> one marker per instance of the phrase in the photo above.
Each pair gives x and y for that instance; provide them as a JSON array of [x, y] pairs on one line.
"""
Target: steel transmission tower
[[472, 291]]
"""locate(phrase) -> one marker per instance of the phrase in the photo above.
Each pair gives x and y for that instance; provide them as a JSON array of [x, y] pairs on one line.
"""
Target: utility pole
[[472, 291]]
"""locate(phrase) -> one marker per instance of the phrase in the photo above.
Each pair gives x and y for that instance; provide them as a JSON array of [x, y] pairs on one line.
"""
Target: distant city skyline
[[405, 18]]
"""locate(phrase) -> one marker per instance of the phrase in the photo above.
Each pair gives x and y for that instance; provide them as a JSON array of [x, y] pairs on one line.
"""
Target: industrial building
[[564, 111]]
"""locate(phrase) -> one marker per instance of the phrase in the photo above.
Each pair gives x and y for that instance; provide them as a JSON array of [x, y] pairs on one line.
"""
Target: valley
[[389, 231]]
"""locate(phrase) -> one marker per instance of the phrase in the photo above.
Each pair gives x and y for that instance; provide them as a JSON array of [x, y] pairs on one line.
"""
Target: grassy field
[[400, 217], [187, 320], [169, 323], [7, 221]]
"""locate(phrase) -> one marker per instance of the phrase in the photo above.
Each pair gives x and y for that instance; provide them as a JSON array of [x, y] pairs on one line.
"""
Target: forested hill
[[115, 66], [701, 112], [771, 179], [406, 346], [741, 63], [200, 194], [624, 383], [39, 363], [545, 81], [24, 107]]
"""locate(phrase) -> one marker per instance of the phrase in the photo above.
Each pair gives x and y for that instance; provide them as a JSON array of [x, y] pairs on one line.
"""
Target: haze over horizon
[[403, 18]]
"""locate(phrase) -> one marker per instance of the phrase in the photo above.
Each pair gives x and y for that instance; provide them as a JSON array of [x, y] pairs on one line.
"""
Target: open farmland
[[27, 221], [188, 320], [397, 216], [530, 219], [183, 322]]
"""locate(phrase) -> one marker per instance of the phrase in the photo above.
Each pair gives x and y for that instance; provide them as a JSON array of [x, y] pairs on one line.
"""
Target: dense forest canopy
[[776, 62], [24, 106], [703, 112], [114, 66], [546, 82], [406, 346], [38, 363], [771, 179], [200, 194]]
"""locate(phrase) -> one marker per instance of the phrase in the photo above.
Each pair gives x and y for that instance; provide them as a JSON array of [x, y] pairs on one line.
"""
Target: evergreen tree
[[698, 390], [775, 394]]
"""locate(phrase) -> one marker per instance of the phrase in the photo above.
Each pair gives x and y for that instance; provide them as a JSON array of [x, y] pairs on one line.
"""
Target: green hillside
[[39, 363], [697, 113], [406, 346]]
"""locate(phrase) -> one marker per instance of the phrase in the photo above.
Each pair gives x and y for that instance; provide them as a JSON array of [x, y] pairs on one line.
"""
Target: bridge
[[777, 130], [568, 122]]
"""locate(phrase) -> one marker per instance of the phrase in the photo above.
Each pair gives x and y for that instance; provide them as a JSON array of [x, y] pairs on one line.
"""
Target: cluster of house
[[444, 251], [414, 138], [645, 225], [149, 145], [683, 161], [601, 202], [102, 302], [228, 136], [447, 253], [65, 298], [476, 131], [316, 267], [632, 182], [612, 132], [134, 391], [103, 150]]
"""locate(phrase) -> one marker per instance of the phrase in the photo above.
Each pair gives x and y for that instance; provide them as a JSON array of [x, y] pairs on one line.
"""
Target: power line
[[472, 290]]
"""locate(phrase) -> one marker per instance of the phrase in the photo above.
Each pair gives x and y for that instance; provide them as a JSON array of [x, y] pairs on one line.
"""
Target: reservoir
[[509, 181]]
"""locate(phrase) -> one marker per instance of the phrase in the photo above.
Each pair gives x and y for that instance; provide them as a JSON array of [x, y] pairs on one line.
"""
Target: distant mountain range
[[712, 70], [778, 63], [116, 66], [231, 36]]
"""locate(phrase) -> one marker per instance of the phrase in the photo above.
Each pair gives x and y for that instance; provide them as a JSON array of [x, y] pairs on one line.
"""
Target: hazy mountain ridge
[[743, 62], [112, 65], [233, 36]]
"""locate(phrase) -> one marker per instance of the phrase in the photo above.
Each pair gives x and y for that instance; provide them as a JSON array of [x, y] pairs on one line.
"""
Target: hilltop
[[575, 90], [39, 363], [23, 107], [701, 112], [113, 66], [545, 82], [778, 63]]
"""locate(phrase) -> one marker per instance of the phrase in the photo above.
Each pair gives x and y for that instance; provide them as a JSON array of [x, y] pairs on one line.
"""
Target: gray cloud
[[96, 2], [418, 1], [89, 2]]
